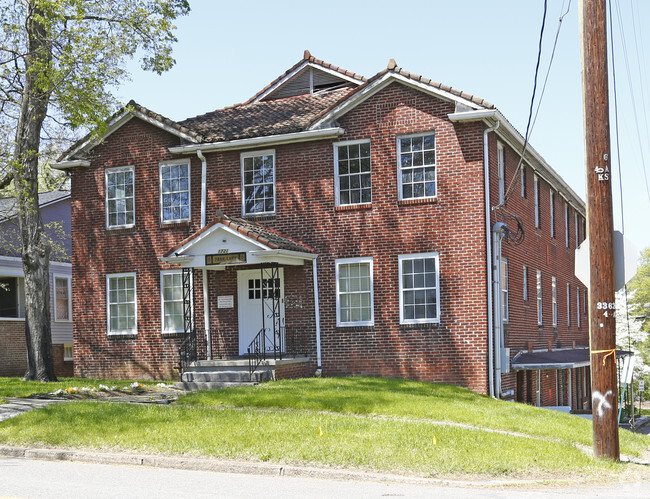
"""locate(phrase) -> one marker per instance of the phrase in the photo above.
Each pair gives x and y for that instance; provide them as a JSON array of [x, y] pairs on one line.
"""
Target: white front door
[[251, 287]]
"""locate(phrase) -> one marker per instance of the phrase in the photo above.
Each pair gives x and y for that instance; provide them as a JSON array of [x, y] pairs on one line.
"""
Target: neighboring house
[[55, 212], [347, 218]]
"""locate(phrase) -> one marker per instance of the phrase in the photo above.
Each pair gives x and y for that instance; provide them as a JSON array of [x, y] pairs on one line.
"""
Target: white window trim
[[554, 299], [501, 171], [525, 283], [163, 273], [66, 346], [505, 293], [566, 223], [108, 171], [337, 179], [346, 261], [134, 331], [579, 319], [540, 303], [418, 256], [536, 189], [551, 202], [252, 154], [69, 281], [189, 189], [522, 178], [577, 229], [568, 304], [399, 164]]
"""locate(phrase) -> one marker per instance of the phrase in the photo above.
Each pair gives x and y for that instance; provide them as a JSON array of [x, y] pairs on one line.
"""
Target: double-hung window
[[120, 197], [525, 282], [552, 213], [578, 318], [258, 182], [62, 299], [122, 305], [554, 299], [540, 315], [416, 155], [566, 224], [354, 292], [174, 192], [419, 300], [537, 213], [504, 289], [171, 285], [501, 164], [568, 304], [12, 297], [352, 173]]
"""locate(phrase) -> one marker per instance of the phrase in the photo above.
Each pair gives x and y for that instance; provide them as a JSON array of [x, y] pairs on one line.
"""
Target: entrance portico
[[242, 267]]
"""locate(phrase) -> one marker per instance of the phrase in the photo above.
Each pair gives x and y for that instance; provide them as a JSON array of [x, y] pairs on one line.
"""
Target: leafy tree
[[639, 291], [58, 61]]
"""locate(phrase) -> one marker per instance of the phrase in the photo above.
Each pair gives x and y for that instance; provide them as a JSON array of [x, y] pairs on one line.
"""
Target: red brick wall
[[13, 351], [452, 351], [62, 368], [293, 371], [539, 251]]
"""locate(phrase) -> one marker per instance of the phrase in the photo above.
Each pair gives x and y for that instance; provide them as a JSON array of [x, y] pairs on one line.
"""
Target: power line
[[530, 126]]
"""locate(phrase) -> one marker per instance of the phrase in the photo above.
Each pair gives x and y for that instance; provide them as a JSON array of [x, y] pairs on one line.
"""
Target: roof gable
[[392, 74], [118, 120], [308, 77]]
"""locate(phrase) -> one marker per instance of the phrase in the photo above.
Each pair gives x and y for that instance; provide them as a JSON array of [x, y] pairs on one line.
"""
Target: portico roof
[[556, 359], [230, 241]]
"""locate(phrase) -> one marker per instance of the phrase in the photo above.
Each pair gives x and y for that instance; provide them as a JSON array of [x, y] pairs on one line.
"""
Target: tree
[[639, 298], [58, 61]]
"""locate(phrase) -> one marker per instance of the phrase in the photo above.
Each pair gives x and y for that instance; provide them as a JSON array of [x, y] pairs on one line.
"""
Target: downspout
[[488, 244], [497, 234], [314, 265], [206, 308]]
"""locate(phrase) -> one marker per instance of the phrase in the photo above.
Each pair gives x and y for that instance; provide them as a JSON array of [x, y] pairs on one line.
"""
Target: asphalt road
[[22, 478]]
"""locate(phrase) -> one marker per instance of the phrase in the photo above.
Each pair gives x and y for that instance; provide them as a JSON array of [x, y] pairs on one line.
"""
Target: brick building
[[344, 220], [55, 212]]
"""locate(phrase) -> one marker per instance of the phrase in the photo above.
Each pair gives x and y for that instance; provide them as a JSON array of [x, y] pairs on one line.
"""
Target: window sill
[[12, 319], [173, 225], [268, 217], [120, 230], [420, 325], [172, 334], [354, 207], [354, 328], [119, 336], [410, 202]]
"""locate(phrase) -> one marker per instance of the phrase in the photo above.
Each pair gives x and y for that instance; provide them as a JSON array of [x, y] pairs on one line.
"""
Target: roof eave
[[510, 134], [73, 163], [361, 95], [116, 123], [253, 142]]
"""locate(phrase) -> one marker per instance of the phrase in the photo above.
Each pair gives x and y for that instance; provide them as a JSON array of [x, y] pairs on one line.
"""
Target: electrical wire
[[531, 121]]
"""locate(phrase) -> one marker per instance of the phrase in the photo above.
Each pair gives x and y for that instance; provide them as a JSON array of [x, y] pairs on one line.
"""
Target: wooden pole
[[600, 222]]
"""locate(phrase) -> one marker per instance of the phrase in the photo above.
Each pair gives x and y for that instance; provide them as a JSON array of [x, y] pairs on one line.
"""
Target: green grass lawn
[[378, 424]]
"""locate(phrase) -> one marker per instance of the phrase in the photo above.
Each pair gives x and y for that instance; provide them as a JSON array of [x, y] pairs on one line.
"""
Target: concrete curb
[[245, 467]]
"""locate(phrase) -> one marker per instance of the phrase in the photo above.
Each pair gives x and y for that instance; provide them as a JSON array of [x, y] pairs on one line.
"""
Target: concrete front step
[[259, 376], [210, 385]]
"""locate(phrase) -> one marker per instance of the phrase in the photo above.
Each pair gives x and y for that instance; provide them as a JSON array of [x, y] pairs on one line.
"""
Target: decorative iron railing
[[187, 351], [263, 346]]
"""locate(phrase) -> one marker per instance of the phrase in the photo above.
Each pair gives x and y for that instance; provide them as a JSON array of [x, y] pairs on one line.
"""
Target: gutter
[[488, 243], [227, 145], [510, 135]]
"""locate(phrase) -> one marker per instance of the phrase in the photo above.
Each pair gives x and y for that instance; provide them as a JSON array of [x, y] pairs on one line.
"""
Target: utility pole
[[600, 221]]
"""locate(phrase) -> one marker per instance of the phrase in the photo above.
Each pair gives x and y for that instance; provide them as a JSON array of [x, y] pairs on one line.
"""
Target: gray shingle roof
[[273, 117], [9, 206]]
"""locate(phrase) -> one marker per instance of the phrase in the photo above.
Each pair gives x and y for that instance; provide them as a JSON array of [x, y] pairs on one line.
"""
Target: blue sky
[[227, 51]]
